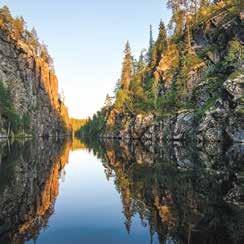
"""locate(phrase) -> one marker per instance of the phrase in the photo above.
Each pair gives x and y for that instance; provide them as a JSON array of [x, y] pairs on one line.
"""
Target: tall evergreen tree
[[151, 41], [127, 68], [178, 14], [141, 62], [160, 45], [34, 33], [151, 45], [5, 14]]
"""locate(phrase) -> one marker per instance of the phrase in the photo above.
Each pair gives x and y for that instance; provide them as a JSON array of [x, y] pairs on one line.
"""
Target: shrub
[[7, 109]]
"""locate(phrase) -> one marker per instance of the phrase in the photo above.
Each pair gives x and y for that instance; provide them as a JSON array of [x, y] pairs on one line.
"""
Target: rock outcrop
[[223, 121], [32, 84], [214, 108]]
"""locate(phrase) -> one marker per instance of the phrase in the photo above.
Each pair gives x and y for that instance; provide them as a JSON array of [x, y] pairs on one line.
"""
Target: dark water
[[110, 192]]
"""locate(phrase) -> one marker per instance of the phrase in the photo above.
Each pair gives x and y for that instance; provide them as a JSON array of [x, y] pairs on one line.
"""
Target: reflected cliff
[[182, 194], [29, 185]]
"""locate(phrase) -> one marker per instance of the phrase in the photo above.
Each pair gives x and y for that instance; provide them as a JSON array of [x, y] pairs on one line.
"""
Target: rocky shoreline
[[222, 122]]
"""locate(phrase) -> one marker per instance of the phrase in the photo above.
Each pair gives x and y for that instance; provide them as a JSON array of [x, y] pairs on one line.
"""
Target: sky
[[86, 39]]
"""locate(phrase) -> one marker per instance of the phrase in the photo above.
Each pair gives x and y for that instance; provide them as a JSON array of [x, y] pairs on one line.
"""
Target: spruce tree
[[151, 46], [127, 68], [34, 33], [160, 45], [141, 62], [5, 14]]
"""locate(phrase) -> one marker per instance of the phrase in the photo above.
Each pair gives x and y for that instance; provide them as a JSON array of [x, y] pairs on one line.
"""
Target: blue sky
[[86, 39]]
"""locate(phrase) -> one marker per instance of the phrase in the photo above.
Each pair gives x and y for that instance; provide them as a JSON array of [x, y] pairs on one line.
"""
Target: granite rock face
[[224, 121], [214, 109], [33, 87]]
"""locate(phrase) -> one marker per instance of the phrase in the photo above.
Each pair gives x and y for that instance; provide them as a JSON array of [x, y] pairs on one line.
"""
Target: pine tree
[[5, 14], [108, 102], [18, 25], [141, 64], [151, 41], [34, 33], [178, 14], [160, 45], [127, 68], [151, 45]]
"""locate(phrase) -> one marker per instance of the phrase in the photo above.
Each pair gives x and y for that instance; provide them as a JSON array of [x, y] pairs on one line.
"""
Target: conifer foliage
[[127, 68], [163, 79]]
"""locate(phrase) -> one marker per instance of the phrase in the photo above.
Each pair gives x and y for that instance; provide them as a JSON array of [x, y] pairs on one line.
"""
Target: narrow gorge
[[160, 161]]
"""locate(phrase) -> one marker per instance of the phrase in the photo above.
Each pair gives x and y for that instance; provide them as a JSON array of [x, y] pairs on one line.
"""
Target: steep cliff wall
[[208, 93], [31, 81], [222, 121]]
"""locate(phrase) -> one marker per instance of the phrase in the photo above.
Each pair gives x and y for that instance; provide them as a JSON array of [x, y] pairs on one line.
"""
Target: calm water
[[93, 192]]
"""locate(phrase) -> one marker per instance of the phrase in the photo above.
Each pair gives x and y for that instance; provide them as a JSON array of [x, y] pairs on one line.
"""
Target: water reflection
[[182, 193], [29, 184]]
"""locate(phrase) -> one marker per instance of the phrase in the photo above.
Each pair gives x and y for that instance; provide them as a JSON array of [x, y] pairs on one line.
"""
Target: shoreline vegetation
[[188, 85]]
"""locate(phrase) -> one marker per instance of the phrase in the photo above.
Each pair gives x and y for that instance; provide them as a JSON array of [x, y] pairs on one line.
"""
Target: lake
[[58, 191]]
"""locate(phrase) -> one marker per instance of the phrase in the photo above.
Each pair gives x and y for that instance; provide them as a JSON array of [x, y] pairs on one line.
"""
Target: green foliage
[[14, 122], [126, 68], [164, 80], [200, 111], [25, 122], [7, 109], [93, 126], [235, 54], [17, 30], [122, 98], [168, 103], [159, 46]]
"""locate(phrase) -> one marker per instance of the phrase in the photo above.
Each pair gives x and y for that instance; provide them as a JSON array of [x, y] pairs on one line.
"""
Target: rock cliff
[[223, 121], [27, 74], [209, 92]]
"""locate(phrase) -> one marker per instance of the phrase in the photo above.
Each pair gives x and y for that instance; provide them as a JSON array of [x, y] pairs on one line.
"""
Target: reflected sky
[[88, 208]]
